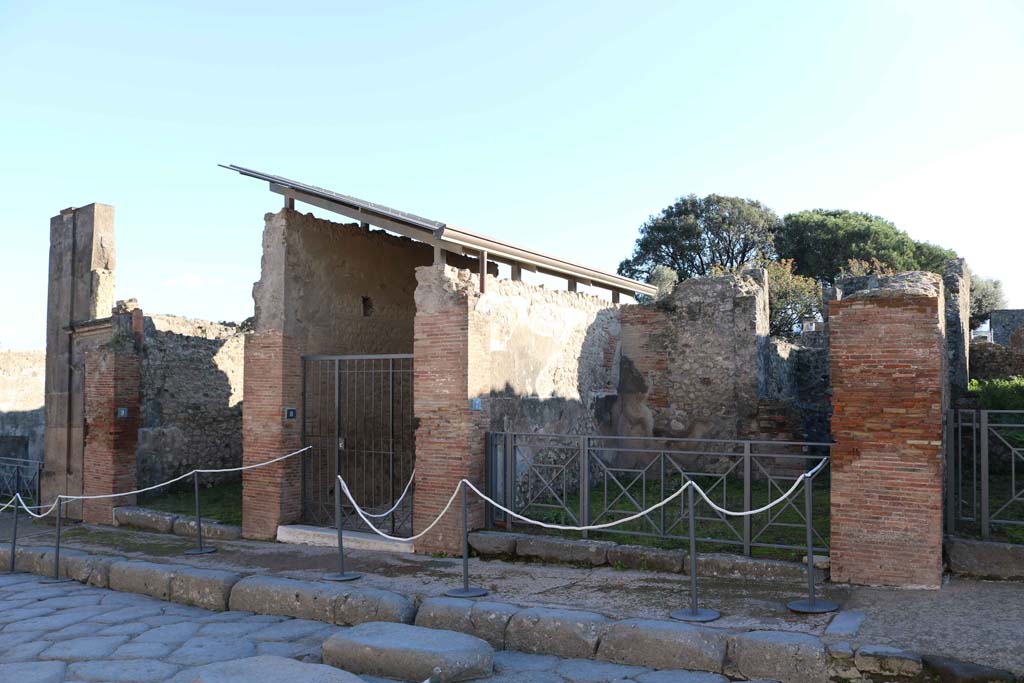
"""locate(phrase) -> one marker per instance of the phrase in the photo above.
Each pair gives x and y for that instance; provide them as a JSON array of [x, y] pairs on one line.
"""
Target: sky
[[559, 126]]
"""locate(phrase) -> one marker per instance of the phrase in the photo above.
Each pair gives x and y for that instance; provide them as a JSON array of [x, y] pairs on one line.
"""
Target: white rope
[[62, 496], [806, 476], [394, 507], [9, 503], [366, 519]]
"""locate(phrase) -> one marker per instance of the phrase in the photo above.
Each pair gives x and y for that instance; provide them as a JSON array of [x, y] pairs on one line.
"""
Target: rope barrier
[[394, 507], [806, 476], [29, 508]]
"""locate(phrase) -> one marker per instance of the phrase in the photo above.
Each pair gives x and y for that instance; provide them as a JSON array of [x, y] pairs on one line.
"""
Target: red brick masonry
[[888, 374], [111, 381], [273, 382]]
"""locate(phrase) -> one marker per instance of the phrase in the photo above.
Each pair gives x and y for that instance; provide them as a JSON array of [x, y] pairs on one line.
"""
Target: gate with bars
[[358, 420], [985, 473]]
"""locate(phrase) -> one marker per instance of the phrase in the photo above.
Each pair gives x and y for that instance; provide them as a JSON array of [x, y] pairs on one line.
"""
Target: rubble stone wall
[[1004, 323], [21, 404]]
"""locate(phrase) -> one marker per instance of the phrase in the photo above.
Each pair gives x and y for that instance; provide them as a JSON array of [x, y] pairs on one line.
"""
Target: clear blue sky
[[560, 126]]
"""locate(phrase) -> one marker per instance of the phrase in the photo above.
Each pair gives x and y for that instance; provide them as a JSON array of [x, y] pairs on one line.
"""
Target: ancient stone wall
[[21, 404], [191, 388], [1004, 323], [994, 361], [890, 392], [956, 286], [692, 364], [796, 383]]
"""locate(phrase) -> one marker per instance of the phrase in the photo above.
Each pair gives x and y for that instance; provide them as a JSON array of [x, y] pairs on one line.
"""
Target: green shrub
[[999, 394]]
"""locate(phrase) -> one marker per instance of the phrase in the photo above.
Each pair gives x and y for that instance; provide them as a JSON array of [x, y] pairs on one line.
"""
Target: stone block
[[562, 632], [146, 578], [664, 645], [215, 531], [357, 605], [143, 518], [206, 588], [494, 543], [483, 619], [408, 653], [33, 560], [729, 566], [985, 559], [949, 670], [889, 661], [643, 557], [551, 549], [264, 669], [93, 570], [779, 655], [286, 597]]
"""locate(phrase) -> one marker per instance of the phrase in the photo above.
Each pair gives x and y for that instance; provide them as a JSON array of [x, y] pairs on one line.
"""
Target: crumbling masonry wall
[[191, 393], [21, 404], [1004, 323], [890, 391]]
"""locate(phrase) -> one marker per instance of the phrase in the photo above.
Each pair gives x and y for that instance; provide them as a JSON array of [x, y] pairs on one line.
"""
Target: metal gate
[[358, 419], [985, 473]]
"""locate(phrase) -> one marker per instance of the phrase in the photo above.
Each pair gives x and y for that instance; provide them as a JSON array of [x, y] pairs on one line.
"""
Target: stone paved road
[[51, 633]]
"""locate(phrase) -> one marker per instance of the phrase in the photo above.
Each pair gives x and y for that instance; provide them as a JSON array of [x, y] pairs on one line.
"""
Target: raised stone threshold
[[304, 534], [505, 545], [745, 655], [985, 559]]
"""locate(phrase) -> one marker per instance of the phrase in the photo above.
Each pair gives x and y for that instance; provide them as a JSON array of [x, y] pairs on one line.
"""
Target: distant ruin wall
[[21, 404], [191, 392], [993, 361], [1004, 323]]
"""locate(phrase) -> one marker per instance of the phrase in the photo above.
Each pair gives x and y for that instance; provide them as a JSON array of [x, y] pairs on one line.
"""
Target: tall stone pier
[[81, 288], [890, 391]]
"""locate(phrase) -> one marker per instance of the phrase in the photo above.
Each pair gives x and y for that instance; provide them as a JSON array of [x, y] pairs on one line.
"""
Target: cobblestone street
[[51, 633]]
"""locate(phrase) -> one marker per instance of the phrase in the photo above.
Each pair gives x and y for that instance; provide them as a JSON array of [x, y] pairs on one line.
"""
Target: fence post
[[14, 534], [466, 591], [341, 574], [584, 484], [56, 549], [746, 498], [199, 549], [984, 476], [510, 476], [694, 612], [951, 448], [811, 605]]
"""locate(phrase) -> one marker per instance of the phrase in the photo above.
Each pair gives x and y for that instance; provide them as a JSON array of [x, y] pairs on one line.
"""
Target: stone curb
[[504, 545], [170, 523], [780, 655]]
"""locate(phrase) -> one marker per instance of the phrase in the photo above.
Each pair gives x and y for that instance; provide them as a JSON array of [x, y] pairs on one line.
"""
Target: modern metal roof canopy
[[446, 237]]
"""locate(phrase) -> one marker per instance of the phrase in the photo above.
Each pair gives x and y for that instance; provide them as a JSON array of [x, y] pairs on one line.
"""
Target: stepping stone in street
[[408, 653], [264, 669]]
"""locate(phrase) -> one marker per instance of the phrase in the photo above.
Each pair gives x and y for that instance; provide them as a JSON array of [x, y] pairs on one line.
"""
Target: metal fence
[[18, 475], [985, 473], [582, 480]]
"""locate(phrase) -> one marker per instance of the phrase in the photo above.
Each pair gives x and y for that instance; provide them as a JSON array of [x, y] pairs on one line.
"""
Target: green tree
[[823, 242], [698, 236], [986, 296], [791, 298]]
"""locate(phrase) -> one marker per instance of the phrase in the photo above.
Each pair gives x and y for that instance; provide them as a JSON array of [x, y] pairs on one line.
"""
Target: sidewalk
[[976, 621]]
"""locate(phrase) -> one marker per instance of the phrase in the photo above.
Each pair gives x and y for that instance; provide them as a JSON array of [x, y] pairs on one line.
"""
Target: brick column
[[889, 393], [272, 495], [111, 410], [449, 355]]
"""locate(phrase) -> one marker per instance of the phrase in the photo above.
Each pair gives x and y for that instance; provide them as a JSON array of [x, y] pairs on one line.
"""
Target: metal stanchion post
[[56, 549], [341, 574], [14, 536], [466, 591], [695, 612], [199, 549], [811, 605]]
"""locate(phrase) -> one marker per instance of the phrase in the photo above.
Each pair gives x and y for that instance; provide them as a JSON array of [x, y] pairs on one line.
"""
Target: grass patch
[[128, 543], [787, 527], [220, 502]]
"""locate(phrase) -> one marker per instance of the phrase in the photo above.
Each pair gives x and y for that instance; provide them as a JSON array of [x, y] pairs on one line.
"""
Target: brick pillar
[[889, 393], [111, 409], [449, 365], [272, 495]]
